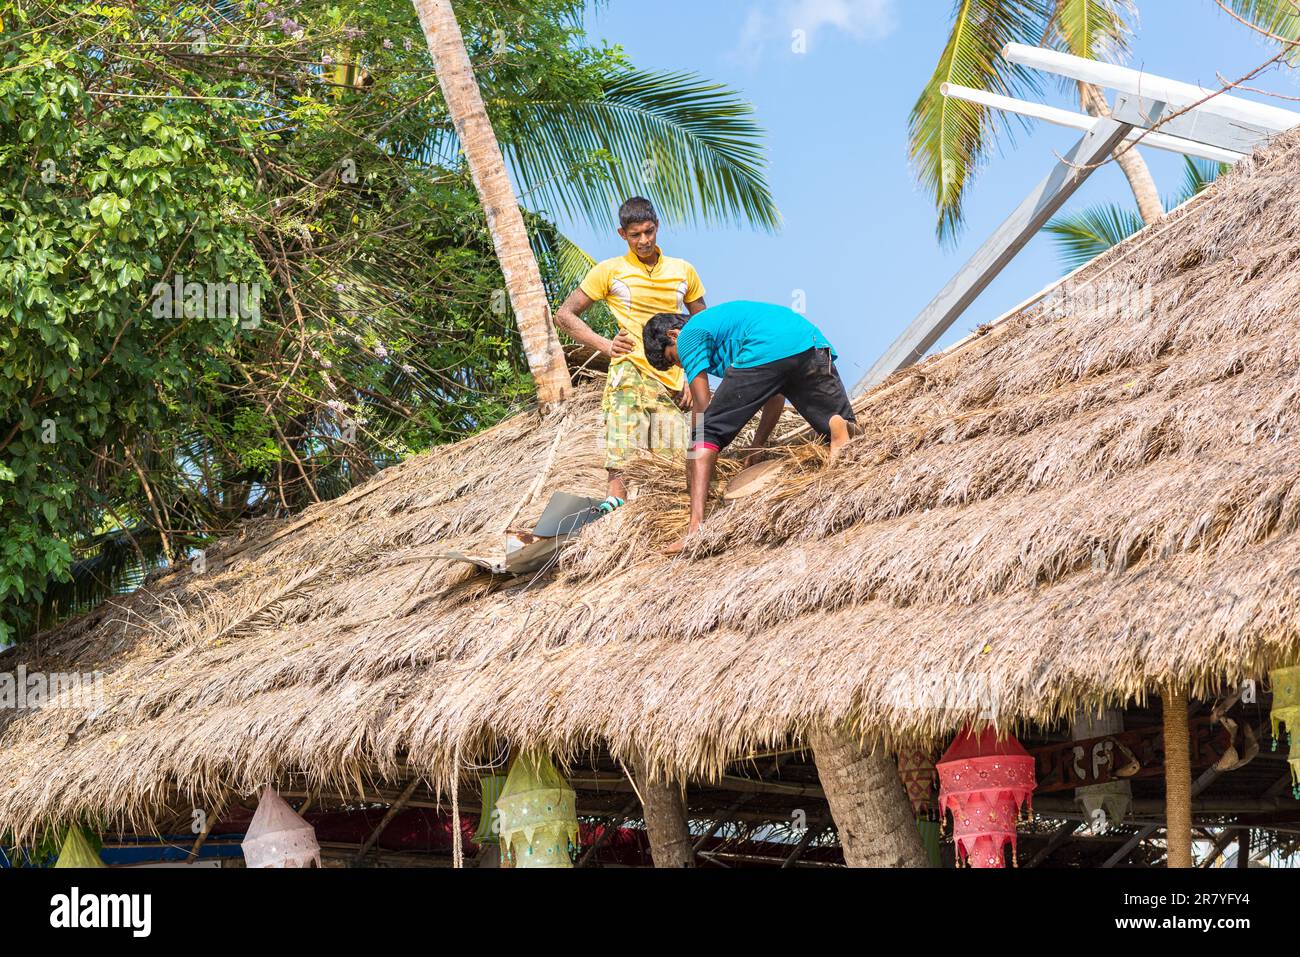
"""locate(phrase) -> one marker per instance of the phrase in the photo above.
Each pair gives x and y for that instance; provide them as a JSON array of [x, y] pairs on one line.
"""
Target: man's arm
[[686, 401], [701, 394], [568, 318]]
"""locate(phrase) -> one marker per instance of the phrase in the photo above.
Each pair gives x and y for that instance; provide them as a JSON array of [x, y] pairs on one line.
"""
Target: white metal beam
[[991, 258], [1083, 122], [1195, 125], [1174, 92]]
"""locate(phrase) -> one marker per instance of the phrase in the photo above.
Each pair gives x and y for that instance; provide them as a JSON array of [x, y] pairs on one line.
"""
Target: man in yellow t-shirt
[[643, 406]]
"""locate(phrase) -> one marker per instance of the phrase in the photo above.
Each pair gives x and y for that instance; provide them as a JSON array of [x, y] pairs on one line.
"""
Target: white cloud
[[754, 35], [863, 19], [774, 24]]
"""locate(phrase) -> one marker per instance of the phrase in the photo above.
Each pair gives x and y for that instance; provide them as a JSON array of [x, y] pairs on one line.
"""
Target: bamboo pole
[[1178, 779], [391, 813], [217, 810]]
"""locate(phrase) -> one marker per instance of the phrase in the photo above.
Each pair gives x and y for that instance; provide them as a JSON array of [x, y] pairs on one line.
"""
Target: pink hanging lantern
[[278, 837], [983, 781]]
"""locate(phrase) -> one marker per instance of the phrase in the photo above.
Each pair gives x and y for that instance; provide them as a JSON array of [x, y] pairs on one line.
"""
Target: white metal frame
[[1083, 122], [1222, 127], [1177, 94]]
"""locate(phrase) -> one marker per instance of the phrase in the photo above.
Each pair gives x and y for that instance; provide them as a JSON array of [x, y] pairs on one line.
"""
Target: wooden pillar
[[1178, 780], [868, 802], [665, 822]]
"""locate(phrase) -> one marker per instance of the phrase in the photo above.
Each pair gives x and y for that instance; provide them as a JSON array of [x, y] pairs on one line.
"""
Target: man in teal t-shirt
[[764, 354]]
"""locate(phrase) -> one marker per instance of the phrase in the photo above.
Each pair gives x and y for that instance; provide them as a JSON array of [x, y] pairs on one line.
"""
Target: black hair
[[655, 338], [638, 209]]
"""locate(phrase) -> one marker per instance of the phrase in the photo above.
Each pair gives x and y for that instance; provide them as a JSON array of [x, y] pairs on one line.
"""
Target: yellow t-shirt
[[635, 293]]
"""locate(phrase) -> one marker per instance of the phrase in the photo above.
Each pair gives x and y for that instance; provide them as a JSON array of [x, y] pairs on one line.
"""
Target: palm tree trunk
[[488, 169], [868, 802], [1130, 162], [1178, 780], [665, 822]]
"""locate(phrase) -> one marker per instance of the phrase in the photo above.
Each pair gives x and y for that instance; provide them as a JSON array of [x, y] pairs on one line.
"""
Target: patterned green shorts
[[640, 415]]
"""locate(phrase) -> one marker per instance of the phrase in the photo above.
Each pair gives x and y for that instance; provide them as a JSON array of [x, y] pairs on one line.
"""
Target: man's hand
[[684, 399], [621, 344], [755, 456]]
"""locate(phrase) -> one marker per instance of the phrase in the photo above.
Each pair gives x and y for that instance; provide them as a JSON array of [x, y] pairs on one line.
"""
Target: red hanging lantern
[[983, 781]]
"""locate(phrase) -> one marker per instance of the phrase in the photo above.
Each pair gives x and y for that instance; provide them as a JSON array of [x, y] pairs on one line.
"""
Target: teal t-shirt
[[743, 335]]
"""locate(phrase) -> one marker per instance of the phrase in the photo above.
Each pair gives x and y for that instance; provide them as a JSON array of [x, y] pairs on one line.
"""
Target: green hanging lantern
[[1286, 711], [489, 824], [77, 851], [538, 815]]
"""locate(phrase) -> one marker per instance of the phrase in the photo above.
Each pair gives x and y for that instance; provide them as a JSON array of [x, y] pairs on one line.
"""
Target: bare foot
[[677, 547], [839, 435], [616, 487]]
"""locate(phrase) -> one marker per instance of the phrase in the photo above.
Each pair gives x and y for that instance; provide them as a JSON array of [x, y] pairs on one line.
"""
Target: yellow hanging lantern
[[77, 851], [1286, 711], [489, 826], [538, 815]]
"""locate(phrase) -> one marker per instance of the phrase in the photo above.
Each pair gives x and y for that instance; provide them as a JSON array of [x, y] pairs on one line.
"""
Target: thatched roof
[[1094, 498]]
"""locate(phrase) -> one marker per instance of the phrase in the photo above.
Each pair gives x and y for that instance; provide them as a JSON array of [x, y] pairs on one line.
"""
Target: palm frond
[[690, 145], [1098, 29], [1197, 175], [114, 563], [569, 263], [1281, 18], [950, 138], [564, 265], [1082, 236]]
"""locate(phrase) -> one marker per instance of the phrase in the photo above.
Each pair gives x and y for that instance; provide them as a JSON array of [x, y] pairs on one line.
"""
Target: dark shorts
[[809, 381]]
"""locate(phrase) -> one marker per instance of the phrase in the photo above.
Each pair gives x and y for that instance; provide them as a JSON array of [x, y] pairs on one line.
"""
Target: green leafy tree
[[300, 152], [93, 205]]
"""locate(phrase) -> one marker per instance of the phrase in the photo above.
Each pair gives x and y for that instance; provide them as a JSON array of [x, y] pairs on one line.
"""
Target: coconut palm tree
[[950, 138], [729, 170], [488, 168], [872, 813], [687, 143]]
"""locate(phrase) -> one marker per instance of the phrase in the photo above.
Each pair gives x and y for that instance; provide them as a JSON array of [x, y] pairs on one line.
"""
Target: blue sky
[[858, 235]]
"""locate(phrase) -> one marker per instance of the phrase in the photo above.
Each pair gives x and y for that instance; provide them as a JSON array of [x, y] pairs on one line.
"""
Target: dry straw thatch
[[1097, 497]]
